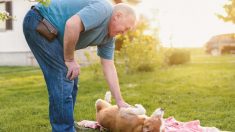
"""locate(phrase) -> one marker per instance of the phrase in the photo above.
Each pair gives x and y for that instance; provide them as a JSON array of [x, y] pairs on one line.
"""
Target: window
[[6, 5]]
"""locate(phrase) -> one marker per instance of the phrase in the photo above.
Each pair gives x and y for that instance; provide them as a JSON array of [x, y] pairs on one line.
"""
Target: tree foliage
[[44, 2], [4, 15], [230, 12]]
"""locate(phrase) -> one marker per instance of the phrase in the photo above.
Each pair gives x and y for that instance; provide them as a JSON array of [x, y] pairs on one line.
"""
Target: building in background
[[221, 44], [14, 50], [13, 47]]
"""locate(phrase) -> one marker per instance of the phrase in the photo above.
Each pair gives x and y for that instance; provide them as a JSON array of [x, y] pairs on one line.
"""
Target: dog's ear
[[158, 113], [98, 105], [101, 104]]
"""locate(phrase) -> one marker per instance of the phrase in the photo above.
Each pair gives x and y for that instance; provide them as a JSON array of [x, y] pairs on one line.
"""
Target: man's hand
[[123, 104], [73, 69]]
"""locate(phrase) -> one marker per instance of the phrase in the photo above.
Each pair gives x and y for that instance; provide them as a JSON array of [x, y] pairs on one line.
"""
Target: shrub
[[137, 50], [139, 54], [177, 56]]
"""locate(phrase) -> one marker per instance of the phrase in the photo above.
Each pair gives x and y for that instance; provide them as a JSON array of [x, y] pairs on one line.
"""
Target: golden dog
[[127, 119]]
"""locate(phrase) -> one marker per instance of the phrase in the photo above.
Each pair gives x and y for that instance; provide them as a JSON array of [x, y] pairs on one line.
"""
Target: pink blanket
[[171, 125]]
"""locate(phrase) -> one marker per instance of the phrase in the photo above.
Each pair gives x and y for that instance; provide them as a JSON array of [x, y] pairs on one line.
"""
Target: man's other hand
[[73, 69]]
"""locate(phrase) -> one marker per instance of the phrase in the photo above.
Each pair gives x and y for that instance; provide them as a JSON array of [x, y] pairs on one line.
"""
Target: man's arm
[[112, 80], [73, 27]]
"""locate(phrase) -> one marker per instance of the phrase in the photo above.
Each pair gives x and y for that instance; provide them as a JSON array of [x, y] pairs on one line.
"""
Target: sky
[[186, 23]]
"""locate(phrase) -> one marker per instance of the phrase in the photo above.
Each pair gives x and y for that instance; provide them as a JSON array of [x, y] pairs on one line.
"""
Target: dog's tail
[[101, 104]]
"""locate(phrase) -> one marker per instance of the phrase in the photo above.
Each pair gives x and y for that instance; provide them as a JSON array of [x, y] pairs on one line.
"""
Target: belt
[[36, 11]]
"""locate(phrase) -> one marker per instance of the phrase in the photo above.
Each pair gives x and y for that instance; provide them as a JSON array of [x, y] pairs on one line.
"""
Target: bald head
[[123, 19], [125, 8]]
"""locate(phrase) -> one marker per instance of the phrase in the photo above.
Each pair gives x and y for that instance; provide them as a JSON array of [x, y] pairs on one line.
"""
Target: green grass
[[201, 90]]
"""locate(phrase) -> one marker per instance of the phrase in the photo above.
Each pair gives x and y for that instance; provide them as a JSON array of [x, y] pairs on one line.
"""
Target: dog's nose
[[161, 109]]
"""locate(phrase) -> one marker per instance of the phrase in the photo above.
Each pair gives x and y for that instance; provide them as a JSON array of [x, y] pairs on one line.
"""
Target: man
[[80, 23]]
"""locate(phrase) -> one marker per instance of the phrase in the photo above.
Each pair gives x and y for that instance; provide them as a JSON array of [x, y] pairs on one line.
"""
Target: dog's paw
[[140, 110], [108, 96], [158, 112], [137, 110]]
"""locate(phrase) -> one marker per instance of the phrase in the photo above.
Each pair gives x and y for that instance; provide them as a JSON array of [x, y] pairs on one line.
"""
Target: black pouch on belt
[[47, 30]]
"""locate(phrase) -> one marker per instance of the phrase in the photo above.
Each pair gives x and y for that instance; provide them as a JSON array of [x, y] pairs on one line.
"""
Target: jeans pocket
[[68, 80]]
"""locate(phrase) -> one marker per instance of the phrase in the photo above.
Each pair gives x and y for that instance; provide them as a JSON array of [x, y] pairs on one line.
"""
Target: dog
[[131, 119]]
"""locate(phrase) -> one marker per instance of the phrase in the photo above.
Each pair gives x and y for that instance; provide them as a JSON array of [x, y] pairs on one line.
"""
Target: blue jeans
[[62, 91]]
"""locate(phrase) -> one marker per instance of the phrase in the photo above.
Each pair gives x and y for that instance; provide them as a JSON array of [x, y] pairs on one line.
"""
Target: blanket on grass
[[171, 125]]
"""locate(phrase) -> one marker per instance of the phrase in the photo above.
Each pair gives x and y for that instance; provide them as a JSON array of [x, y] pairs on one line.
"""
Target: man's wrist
[[119, 100], [68, 60]]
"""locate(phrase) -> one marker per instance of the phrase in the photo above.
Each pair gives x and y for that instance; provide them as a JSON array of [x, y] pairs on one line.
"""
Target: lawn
[[203, 89]]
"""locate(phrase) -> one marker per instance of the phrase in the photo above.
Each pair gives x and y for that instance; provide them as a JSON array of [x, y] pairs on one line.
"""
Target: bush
[[177, 56], [139, 54], [138, 51]]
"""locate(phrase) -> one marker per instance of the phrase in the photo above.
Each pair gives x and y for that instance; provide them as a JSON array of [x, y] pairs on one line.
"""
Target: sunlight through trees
[[230, 12]]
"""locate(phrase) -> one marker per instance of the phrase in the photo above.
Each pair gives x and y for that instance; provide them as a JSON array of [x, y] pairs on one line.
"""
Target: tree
[[5, 15], [230, 12]]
